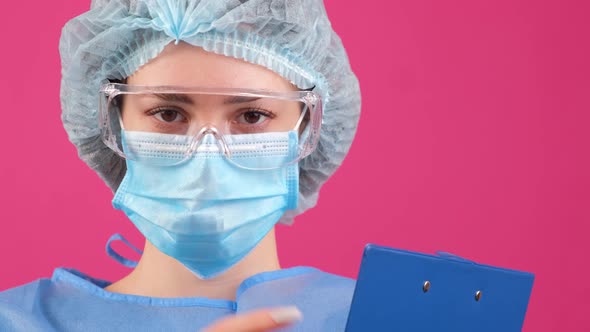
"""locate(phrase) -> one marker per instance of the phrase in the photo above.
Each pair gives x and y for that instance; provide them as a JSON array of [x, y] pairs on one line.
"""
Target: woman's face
[[189, 66]]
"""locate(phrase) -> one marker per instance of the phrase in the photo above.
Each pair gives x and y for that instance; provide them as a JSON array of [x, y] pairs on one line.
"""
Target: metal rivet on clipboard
[[477, 296], [426, 286]]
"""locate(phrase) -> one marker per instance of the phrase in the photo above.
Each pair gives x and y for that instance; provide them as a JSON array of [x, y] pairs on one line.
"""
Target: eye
[[253, 117], [168, 115]]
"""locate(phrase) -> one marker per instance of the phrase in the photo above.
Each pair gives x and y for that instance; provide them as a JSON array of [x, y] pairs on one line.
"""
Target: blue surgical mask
[[206, 212]]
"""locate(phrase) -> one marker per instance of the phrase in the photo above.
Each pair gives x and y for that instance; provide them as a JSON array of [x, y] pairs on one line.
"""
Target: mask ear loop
[[122, 132], [121, 122], [118, 257], [301, 117], [305, 131]]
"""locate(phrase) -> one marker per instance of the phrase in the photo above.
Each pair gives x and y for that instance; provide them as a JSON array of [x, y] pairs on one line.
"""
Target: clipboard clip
[[451, 257]]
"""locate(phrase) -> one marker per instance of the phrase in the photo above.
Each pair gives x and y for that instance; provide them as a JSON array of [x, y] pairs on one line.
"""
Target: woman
[[207, 127]]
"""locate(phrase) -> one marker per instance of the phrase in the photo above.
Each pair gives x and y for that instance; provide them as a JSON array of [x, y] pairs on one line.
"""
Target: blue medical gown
[[73, 301]]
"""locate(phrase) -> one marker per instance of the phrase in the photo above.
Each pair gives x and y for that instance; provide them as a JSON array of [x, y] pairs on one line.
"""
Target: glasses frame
[[310, 99]]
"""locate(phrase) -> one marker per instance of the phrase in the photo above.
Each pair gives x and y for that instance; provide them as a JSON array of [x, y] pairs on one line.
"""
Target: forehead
[[188, 65]]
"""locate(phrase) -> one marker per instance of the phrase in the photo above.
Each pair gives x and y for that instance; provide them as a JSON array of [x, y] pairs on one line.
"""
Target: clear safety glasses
[[169, 125]]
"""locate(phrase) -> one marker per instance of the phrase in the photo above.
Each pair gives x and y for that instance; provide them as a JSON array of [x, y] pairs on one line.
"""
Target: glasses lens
[[253, 131]]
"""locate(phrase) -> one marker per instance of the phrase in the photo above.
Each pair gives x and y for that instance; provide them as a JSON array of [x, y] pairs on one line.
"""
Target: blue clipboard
[[400, 290]]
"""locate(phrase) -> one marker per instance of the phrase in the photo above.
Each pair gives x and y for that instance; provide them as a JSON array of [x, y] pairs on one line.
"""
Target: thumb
[[257, 321]]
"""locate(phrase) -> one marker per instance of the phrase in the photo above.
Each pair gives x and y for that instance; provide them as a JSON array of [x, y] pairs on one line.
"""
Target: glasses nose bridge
[[210, 129]]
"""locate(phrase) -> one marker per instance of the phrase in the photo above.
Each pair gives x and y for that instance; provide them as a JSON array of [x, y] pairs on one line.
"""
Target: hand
[[257, 321]]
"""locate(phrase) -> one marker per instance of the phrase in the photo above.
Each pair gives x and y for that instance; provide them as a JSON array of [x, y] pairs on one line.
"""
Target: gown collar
[[96, 286]]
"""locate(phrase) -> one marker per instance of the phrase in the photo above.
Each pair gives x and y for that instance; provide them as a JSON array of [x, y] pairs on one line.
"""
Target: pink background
[[474, 139]]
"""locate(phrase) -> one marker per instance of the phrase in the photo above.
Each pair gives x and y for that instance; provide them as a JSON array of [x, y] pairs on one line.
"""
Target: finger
[[257, 321]]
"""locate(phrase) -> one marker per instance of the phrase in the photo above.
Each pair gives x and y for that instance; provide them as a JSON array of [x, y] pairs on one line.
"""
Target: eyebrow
[[239, 99], [183, 98], [176, 97]]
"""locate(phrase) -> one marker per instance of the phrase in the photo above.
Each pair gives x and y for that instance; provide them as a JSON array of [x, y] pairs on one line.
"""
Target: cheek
[[131, 121]]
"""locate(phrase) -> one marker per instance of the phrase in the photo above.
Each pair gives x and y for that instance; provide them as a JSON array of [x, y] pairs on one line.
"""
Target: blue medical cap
[[293, 38]]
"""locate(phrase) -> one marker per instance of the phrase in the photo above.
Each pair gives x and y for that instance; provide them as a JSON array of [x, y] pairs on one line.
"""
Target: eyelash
[[159, 109], [261, 111]]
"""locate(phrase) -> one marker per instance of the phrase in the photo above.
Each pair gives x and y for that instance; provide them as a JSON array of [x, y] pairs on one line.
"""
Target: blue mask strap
[[118, 257]]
